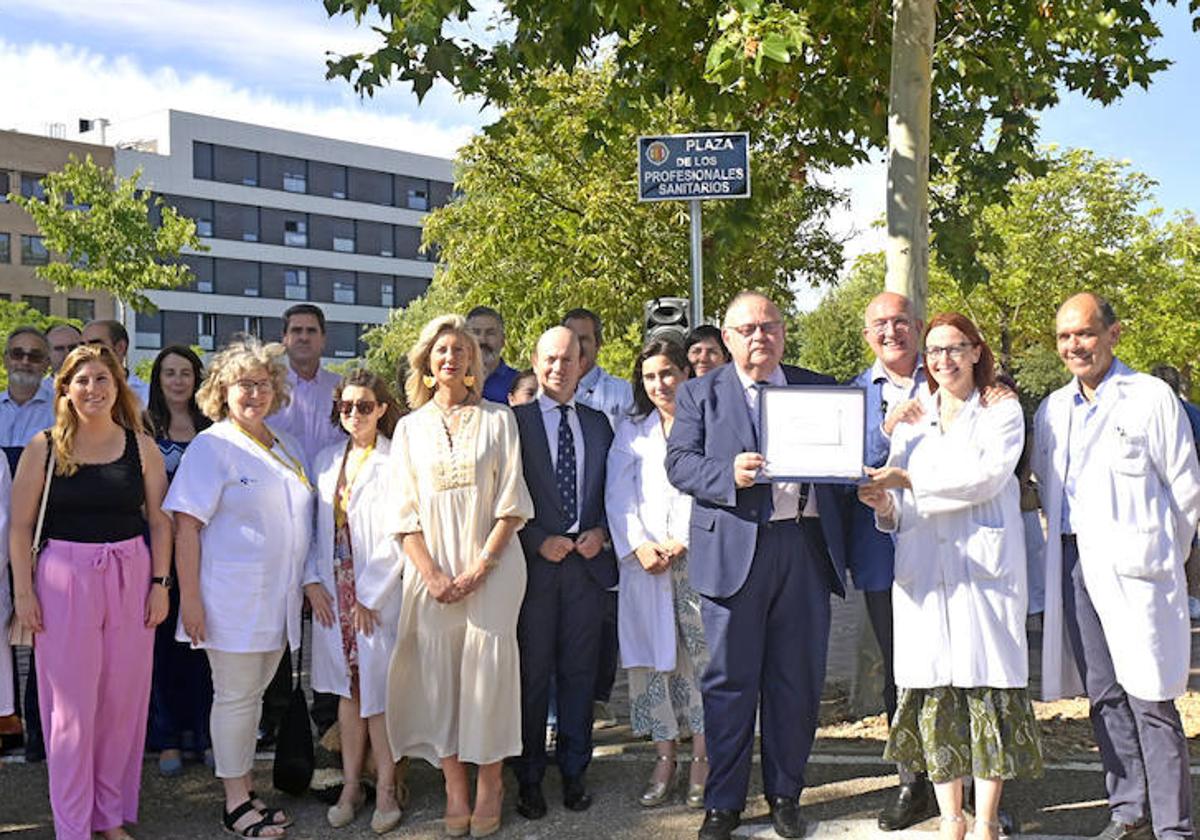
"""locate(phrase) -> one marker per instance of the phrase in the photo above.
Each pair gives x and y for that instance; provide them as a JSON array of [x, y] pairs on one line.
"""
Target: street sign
[[694, 166]]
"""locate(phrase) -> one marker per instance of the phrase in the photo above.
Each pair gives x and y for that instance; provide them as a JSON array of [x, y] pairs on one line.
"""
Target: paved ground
[[847, 787]]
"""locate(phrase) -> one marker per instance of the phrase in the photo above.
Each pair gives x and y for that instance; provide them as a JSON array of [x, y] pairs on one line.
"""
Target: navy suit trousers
[[1142, 744], [559, 633], [767, 643]]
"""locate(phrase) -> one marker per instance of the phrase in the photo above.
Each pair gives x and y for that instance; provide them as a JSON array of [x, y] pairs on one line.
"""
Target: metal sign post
[[697, 265], [695, 168]]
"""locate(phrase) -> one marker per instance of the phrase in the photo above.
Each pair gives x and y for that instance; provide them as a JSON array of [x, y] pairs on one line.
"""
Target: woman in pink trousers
[[97, 593]]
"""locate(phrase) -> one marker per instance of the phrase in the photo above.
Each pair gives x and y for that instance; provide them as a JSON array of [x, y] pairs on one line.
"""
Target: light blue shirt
[[606, 393], [1082, 436], [19, 423]]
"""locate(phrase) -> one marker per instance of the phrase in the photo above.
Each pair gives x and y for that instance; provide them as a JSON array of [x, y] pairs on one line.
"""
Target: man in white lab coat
[[1120, 485]]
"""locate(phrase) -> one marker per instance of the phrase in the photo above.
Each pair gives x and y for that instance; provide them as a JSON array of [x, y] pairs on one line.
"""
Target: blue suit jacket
[[549, 518], [712, 426], [870, 554]]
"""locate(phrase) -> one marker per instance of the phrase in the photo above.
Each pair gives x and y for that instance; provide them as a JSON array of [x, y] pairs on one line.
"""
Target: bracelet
[[489, 561]]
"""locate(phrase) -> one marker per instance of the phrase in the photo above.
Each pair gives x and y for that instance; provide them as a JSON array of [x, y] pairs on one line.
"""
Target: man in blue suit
[[564, 447], [897, 377], [765, 565]]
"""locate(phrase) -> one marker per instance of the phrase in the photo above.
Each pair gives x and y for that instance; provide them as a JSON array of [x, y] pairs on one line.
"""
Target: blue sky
[[263, 60]]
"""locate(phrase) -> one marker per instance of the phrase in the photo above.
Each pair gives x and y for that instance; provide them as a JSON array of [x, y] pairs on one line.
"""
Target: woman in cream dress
[[454, 681]]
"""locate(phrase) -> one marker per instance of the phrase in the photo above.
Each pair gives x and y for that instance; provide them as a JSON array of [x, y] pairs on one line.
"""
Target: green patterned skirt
[[949, 733]]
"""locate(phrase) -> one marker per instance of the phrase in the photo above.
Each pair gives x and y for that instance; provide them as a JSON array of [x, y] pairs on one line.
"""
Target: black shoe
[[531, 804], [575, 795], [719, 824], [785, 816], [1008, 823], [914, 803], [1126, 831]]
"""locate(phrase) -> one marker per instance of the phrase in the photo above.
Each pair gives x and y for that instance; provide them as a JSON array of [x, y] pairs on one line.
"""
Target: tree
[[102, 227], [1082, 226], [541, 226], [807, 77]]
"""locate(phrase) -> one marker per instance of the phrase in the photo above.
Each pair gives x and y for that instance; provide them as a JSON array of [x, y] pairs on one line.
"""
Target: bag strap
[[35, 546]]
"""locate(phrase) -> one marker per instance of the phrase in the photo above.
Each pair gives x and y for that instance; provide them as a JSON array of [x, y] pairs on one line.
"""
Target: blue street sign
[[694, 166]]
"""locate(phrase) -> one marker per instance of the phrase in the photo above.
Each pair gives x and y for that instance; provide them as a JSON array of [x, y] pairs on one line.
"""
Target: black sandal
[[272, 813], [256, 829]]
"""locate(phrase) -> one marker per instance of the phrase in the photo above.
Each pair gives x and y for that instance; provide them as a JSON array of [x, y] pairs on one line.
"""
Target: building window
[[418, 199], [344, 244], [81, 309], [202, 161], [387, 294], [147, 331], [33, 250], [5, 248], [4, 187], [295, 233], [252, 325], [235, 166], [343, 291], [204, 228], [295, 284], [32, 187], [39, 302], [295, 181], [206, 330]]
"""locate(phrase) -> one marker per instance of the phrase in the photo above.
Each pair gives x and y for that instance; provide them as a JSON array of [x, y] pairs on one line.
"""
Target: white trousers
[[239, 682]]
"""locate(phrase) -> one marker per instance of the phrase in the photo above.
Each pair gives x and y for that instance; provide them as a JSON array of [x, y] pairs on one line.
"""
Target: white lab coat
[[1134, 513], [959, 595], [378, 564], [643, 506], [257, 517]]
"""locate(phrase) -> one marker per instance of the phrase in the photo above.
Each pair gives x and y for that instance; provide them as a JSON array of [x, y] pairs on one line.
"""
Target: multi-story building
[[286, 218], [24, 159]]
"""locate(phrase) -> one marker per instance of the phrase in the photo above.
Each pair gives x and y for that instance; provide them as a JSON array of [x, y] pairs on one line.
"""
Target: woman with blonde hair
[[352, 581], [98, 592], [243, 515], [454, 681]]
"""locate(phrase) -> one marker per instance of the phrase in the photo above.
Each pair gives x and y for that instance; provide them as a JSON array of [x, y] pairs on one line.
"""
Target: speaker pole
[[697, 266]]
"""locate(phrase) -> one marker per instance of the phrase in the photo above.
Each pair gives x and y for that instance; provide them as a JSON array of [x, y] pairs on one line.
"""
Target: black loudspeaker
[[666, 318]]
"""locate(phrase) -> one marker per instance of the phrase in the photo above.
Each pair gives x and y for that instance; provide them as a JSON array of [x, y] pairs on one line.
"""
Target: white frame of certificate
[[813, 432]]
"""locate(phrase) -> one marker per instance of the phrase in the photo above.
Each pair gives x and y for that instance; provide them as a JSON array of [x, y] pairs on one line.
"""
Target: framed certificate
[[813, 432]]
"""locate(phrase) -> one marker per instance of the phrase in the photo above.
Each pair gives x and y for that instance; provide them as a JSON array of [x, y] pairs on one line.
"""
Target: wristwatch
[[166, 581], [489, 561]]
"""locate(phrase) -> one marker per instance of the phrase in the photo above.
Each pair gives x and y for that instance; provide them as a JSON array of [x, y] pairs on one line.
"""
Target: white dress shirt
[[785, 495], [306, 417], [550, 419], [606, 393]]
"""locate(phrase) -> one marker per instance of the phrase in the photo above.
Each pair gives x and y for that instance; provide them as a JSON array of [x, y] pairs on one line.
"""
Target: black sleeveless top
[[100, 503]]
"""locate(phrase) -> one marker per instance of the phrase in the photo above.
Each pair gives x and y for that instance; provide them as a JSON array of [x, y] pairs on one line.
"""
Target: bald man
[[1120, 485], [764, 557], [564, 449]]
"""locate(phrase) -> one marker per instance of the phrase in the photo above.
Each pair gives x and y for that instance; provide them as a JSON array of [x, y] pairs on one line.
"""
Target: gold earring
[[469, 381], [428, 380]]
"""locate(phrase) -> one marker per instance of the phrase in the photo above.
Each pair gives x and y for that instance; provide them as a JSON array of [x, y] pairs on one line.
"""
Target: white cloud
[[64, 83]]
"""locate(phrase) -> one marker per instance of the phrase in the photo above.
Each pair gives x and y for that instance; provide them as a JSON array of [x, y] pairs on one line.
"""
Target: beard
[[23, 379], [490, 356]]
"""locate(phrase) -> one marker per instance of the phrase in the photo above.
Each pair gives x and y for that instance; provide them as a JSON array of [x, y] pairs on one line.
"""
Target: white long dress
[[454, 685]]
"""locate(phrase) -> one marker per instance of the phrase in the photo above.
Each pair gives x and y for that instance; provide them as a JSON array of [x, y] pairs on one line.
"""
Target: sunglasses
[[345, 407], [20, 354]]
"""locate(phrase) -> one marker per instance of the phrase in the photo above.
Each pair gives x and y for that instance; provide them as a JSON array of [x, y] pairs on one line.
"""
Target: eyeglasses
[[251, 386], [768, 328], [20, 354], [898, 325], [345, 407], [954, 351]]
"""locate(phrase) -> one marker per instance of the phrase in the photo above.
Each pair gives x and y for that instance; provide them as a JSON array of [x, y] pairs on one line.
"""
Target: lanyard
[[350, 471], [291, 464]]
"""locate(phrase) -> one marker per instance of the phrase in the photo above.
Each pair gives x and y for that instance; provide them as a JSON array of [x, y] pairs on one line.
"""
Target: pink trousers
[[94, 660]]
